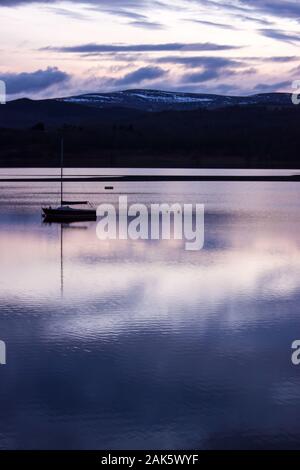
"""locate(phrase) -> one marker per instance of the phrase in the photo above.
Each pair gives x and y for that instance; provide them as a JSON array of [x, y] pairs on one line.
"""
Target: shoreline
[[158, 178]]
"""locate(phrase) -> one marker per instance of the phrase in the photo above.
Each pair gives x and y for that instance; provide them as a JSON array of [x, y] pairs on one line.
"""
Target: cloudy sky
[[60, 48]]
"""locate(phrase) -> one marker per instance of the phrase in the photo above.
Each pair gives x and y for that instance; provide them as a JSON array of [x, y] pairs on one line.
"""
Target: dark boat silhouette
[[64, 212]]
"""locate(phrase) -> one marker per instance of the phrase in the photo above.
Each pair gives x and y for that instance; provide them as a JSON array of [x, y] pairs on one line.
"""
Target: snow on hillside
[[155, 100]]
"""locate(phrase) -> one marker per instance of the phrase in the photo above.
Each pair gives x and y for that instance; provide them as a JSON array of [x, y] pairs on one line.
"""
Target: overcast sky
[[60, 48]]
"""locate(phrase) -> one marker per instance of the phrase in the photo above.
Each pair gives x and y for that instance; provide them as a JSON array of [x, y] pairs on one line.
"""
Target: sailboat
[[64, 212]]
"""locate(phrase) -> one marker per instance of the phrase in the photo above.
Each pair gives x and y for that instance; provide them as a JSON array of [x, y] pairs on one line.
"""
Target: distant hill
[[95, 108], [156, 100], [144, 128], [24, 113]]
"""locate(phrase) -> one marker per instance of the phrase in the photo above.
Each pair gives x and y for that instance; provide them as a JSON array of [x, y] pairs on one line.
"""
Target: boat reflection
[[65, 226]]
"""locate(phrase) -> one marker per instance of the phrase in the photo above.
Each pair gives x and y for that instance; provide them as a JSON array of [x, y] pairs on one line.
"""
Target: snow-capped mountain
[[156, 100]]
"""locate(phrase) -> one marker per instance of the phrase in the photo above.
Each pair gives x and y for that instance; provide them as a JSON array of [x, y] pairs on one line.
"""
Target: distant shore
[[235, 137], [156, 178]]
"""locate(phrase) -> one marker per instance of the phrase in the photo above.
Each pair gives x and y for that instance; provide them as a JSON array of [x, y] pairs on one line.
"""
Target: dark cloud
[[213, 24], [274, 59], [126, 8], [206, 75], [262, 12], [140, 75], [13, 3], [211, 67], [281, 8], [225, 5], [99, 3], [147, 24], [68, 13], [28, 82], [236, 10], [196, 61], [168, 47], [280, 35], [271, 87], [277, 8], [253, 19], [200, 77], [124, 13], [281, 59], [121, 8]]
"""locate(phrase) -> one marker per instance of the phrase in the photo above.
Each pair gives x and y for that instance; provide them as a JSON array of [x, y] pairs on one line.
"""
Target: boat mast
[[61, 170]]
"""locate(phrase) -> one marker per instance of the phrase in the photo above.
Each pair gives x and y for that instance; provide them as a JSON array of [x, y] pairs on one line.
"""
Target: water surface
[[141, 344]]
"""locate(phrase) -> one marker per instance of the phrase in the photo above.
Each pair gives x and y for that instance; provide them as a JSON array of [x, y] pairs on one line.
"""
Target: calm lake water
[[141, 344]]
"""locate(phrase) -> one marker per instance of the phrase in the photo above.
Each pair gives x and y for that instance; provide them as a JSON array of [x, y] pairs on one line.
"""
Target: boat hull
[[69, 215]]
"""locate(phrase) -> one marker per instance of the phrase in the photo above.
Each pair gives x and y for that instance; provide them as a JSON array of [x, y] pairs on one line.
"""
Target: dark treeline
[[244, 137]]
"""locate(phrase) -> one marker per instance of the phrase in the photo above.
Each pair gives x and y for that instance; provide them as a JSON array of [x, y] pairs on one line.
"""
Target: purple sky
[[60, 48]]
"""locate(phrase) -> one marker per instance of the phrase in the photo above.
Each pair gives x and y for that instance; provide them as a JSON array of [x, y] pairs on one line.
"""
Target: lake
[[141, 344]]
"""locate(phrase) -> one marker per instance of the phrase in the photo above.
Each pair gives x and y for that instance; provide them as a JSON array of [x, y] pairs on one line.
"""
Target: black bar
[[98, 459]]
